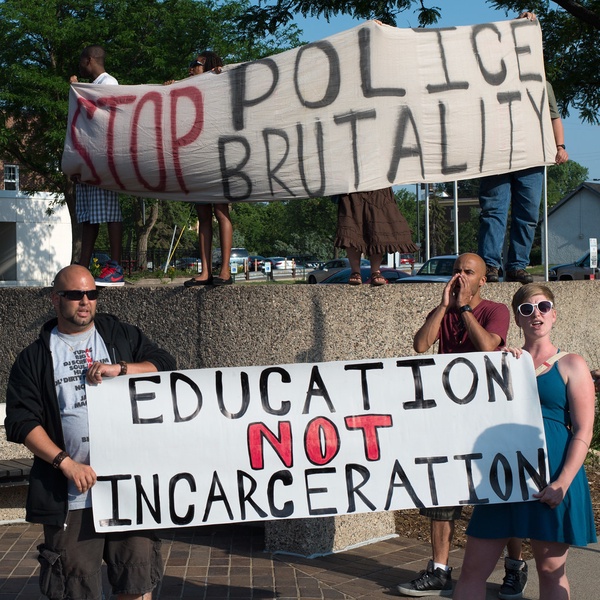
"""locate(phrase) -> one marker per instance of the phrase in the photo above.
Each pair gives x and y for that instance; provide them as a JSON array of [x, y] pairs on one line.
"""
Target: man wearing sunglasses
[[462, 322], [46, 409]]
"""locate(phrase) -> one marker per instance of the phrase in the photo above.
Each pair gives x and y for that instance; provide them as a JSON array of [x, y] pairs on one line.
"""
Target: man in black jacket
[[47, 411]]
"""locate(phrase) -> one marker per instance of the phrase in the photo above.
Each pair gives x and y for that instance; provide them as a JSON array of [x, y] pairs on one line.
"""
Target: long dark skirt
[[371, 222]]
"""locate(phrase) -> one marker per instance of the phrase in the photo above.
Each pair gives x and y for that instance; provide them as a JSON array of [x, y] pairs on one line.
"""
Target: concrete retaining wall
[[244, 325]]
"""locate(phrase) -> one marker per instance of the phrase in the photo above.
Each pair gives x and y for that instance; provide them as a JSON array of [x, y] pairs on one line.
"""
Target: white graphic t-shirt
[[72, 355]]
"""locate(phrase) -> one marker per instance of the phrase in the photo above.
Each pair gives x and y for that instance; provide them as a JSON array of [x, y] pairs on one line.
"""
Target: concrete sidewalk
[[227, 562]]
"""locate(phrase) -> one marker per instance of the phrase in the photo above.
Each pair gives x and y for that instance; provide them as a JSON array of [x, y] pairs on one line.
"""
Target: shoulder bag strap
[[546, 365]]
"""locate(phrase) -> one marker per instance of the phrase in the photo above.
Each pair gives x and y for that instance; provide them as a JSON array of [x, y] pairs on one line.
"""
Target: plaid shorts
[[96, 205]]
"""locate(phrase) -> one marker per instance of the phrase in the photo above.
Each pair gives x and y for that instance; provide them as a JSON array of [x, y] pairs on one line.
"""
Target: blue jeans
[[520, 191]]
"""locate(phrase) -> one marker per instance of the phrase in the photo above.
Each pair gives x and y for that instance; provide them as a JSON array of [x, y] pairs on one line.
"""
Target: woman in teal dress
[[563, 514]]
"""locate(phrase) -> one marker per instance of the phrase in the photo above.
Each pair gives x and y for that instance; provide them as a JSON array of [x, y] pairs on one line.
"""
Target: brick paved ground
[[223, 562], [229, 562]]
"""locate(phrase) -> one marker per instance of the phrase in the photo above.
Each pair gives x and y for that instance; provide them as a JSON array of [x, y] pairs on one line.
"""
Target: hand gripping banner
[[314, 440]]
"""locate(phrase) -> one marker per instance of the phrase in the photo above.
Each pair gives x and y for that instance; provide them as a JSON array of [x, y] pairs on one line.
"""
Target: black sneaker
[[520, 275], [515, 579], [431, 582], [491, 274]]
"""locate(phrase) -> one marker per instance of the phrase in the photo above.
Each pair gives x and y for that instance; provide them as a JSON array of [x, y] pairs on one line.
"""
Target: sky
[[582, 140]]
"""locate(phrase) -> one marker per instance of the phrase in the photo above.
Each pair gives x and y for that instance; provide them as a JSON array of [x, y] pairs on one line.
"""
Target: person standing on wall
[[210, 62], [371, 223], [521, 192], [94, 205]]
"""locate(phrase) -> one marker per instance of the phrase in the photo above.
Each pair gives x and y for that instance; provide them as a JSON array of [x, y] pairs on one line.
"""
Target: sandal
[[377, 279], [355, 278], [196, 282]]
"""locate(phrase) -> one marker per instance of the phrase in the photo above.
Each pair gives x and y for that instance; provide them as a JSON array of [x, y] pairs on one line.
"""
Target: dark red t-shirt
[[494, 317]]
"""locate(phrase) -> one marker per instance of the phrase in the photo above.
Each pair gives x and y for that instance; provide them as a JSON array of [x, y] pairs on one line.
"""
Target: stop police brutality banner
[[314, 440], [361, 110]]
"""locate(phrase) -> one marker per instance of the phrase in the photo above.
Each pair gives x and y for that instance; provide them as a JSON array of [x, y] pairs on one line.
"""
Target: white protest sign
[[360, 110], [307, 440]]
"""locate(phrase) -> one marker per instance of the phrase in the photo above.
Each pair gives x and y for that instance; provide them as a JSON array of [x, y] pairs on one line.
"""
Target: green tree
[[407, 204], [439, 228], [467, 188], [270, 17], [310, 226], [260, 224], [563, 179], [571, 50], [147, 41], [570, 29], [469, 233], [284, 228]]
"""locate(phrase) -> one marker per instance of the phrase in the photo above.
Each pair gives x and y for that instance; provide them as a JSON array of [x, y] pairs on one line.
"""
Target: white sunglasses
[[527, 308]]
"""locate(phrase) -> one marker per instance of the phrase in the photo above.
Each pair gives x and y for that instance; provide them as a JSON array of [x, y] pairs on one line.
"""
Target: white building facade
[[35, 234]]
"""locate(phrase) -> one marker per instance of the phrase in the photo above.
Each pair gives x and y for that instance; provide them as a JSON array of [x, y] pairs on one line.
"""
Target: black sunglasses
[[196, 63], [527, 308], [78, 294]]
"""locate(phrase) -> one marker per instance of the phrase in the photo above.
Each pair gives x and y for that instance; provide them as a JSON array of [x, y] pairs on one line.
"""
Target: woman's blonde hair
[[528, 291]]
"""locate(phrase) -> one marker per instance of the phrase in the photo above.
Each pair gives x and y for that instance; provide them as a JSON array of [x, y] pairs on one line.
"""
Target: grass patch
[[537, 270]]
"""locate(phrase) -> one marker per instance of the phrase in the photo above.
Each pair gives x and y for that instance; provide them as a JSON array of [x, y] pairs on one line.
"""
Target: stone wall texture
[[245, 325]]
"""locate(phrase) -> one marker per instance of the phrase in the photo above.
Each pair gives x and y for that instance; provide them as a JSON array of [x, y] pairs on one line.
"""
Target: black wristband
[[59, 458], [561, 146], [465, 308]]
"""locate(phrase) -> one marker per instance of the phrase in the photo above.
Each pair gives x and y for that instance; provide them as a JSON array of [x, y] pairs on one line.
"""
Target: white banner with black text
[[314, 440], [367, 108]]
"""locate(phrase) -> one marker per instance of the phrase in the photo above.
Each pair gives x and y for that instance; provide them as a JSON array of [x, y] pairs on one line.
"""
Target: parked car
[[407, 259], [255, 262], [389, 274], [331, 267], [580, 269], [238, 257], [188, 263], [437, 269], [306, 261], [279, 262]]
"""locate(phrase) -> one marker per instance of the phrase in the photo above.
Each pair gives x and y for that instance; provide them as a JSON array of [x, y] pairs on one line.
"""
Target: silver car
[[438, 269], [331, 267]]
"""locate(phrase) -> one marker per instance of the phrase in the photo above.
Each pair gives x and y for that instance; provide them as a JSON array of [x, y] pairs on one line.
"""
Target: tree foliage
[[285, 228], [571, 32], [570, 29], [564, 179], [269, 17], [147, 41]]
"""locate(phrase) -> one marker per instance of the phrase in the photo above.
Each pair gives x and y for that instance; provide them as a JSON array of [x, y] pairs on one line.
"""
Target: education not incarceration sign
[[314, 440], [361, 110]]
